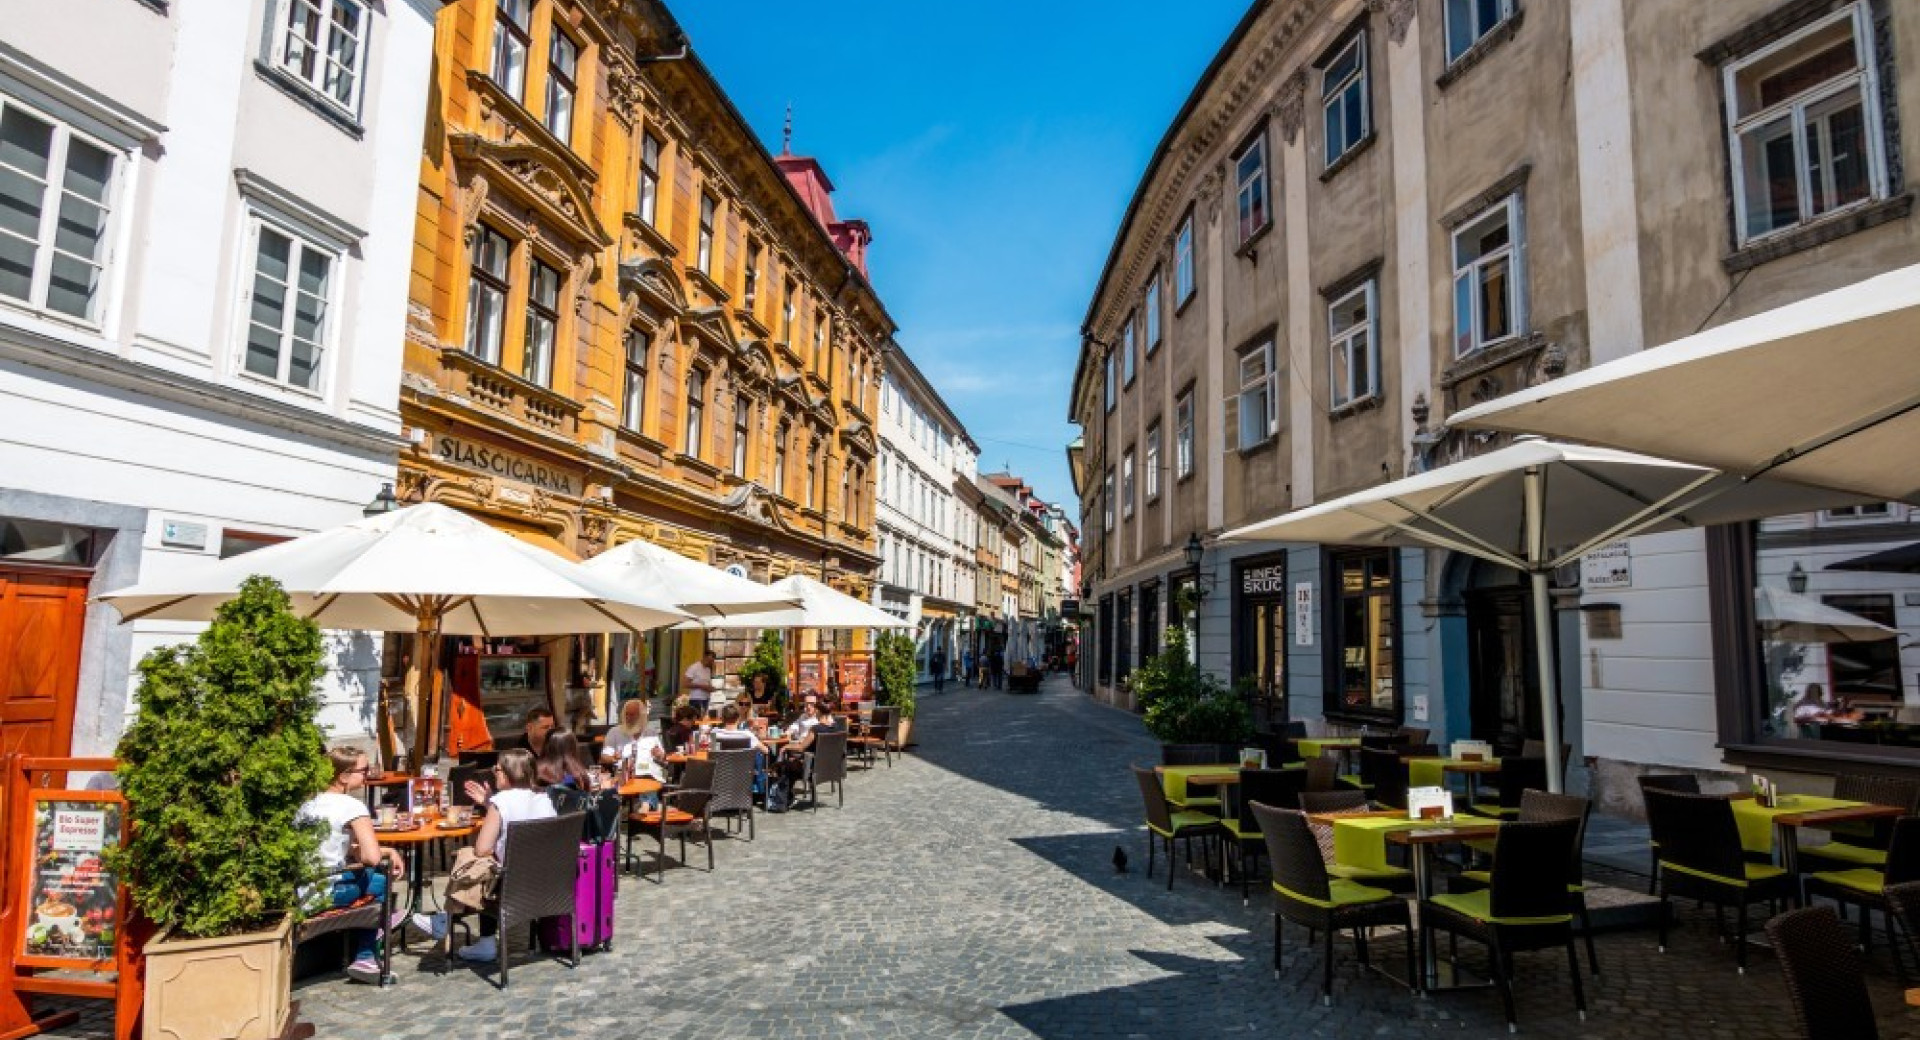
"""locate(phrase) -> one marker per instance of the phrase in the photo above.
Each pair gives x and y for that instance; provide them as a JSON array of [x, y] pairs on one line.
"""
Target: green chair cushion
[[1194, 803], [1234, 828], [1845, 853], [1484, 877], [1342, 892], [1754, 872], [1493, 810], [1352, 873], [1478, 906], [1861, 879], [1353, 780], [1186, 820]]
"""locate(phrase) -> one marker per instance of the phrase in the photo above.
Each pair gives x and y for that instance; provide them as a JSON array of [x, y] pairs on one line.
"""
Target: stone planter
[[239, 986], [906, 733]]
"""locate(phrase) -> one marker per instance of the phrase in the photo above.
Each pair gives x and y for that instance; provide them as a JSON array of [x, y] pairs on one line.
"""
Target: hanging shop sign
[[1608, 567], [1303, 613]]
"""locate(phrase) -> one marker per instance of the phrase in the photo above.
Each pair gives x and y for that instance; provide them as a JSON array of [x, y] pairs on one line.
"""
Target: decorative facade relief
[[1291, 106], [1399, 15]]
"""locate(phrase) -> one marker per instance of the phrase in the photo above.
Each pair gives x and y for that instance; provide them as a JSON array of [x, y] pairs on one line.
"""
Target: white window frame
[[1469, 7], [1183, 435], [1106, 522], [1151, 461], [651, 150], [781, 435], [489, 353], [1341, 347], [1873, 128], [694, 438], [742, 432], [52, 192], [1265, 383], [563, 88], [1883, 513], [1112, 382], [637, 376], [1340, 93], [300, 244], [320, 79], [1128, 366], [1514, 252], [1257, 182], [537, 358], [1126, 483], [709, 216], [1152, 305], [1183, 272]]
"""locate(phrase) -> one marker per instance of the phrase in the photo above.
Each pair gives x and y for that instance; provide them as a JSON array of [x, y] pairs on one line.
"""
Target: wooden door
[[42, 618]]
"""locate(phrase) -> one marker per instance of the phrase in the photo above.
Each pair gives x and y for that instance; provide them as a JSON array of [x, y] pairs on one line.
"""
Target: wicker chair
[[1865, 887], [1903, 921], [1332, 801], [367, 915], [827, 765], [733, 787], [1307, 895], [1826, 982], [1518, 775], [1268, 787], [1396, 879], [874, 739], [1869, 849], [1685, 783], [1701, 859], [1537, 807], [1525, 906], [1321, 772], [1165, 825], [1385, 774], [539, 864], [1414, 734], [682, 811]]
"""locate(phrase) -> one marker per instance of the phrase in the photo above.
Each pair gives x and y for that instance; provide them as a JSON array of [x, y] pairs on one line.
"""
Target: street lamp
[[382, 503], [1797, 579], [1194, 550]]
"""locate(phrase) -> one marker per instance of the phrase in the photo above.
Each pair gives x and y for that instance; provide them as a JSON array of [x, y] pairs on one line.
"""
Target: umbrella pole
[[426, 663], [1536, 494]]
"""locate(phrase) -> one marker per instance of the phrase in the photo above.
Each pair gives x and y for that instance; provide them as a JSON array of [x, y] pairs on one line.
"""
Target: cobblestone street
[[968, 892]]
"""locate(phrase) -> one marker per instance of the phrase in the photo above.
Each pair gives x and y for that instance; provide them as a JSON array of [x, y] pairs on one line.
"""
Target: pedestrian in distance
[[966, 667], [939, 668]]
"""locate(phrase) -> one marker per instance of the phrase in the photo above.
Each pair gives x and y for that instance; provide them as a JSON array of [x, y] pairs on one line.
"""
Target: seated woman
[[350, 842], [512, 800], [561, 763], [761, 693]]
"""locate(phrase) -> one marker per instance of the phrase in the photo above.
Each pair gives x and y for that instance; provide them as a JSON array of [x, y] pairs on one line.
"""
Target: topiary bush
[[1184, 704], [894, 667], [769, 658], [221, 755]]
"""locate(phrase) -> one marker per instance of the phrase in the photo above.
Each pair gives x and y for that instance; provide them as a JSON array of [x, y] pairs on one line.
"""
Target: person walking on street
[[939, 667], [966, 667], [997, 665]]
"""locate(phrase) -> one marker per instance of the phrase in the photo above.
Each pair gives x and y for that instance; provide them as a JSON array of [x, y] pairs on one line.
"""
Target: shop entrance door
[[1506, 698], [42, 618]]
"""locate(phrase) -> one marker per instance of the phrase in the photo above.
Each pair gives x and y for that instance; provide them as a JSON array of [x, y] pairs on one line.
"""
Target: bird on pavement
[[1120, 859]]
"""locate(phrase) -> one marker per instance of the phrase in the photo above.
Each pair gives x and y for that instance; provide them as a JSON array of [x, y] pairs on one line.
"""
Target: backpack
[[779, 793]]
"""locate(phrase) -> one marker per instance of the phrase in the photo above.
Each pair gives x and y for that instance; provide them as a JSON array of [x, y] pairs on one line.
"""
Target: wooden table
[[1760, 830], [1786, 826], [1421, 839]]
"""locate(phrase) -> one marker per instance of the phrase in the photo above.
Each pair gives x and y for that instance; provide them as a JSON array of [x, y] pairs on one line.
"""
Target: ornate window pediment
[[652, 285], [533, 176], [712, 325]]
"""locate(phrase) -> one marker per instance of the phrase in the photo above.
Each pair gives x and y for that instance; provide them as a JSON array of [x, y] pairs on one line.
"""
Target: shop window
[[1150, 634], [1362, 627], [1123, 638], [1804, 125]]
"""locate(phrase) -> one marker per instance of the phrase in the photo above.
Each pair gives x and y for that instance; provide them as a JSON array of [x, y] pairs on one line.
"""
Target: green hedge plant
[[221, 755], [894, 667], [1184, 704], [769, 658]]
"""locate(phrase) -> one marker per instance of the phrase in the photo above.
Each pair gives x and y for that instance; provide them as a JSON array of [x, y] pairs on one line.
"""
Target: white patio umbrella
[[706, 592], [1787, 617], [820, 606], [1824, 391], [427, 569], [1536, 505]]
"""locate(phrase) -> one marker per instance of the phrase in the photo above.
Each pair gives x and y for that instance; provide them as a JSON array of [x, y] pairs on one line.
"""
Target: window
[[1183, 436], [563, 64], [1362, 628], [54, 187], [819, 338], [1127, 352], [511, 36], [649, 177], [705, 256], [1106, 503], [1343, 96], [324, 45], [751, 287], [742, 411], [780, 438], [239, 543], [1486, 296], [786, 312], [1152, 461], [696, 410], [1871, 512], [813, 476], [1353, 362], [1804, 125], [1153, 313], [1867, 668], [1469, 20], [1111, 387], [487, 293], [633, 405], [1250, 187], [287, 314], [1183, 262], [1259, 397], [1126, 483], [543, 319]]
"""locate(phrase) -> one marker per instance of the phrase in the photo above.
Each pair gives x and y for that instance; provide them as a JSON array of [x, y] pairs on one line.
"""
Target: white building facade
[[927, 560], [204, 253]]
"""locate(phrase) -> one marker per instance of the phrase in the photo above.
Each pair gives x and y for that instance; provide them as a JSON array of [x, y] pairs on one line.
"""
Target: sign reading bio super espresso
[[72, 899], [487, 459]]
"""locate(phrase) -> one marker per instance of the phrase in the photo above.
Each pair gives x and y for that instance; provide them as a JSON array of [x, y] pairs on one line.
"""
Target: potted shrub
[[219, 759], [1185, 705], [769, 659], [893, 666]]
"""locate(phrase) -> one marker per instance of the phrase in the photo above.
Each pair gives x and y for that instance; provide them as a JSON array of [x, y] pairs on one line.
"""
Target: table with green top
[[1432, 772], [1774, 829], [1314, 747]]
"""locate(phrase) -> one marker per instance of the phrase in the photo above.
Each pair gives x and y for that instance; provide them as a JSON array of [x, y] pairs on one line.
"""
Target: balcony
[[492, 389]]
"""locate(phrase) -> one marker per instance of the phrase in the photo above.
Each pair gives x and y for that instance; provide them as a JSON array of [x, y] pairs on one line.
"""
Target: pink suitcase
[[593, 889]]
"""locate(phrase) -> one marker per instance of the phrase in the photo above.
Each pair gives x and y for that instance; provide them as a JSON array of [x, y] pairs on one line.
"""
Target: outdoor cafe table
[[373, 784], [1431, 772], [1314, 747], [1421, 837], [1773, 829], [1176, 779], [411, 842]]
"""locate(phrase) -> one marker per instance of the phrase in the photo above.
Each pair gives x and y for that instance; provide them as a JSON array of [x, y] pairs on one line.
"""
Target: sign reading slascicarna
[[460, 453]]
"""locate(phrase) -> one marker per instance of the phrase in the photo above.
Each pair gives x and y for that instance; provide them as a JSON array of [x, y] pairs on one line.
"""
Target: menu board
[[810, 675], [856, 677], [72, 899]]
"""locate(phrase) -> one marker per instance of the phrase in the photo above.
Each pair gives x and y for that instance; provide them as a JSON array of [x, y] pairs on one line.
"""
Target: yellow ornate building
[[628, 319]]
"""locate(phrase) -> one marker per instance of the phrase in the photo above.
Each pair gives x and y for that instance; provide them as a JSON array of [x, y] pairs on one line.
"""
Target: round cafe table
[[410, 842], [386, 780]]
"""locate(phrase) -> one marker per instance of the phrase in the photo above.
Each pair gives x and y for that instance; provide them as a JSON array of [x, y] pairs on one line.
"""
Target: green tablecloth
[[1432, 772], [1314, 747], [1174, 778], [1756, 822], [1362, 841]]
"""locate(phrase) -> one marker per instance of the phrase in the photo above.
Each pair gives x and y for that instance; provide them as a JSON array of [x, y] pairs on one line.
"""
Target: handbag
[[473, 879]]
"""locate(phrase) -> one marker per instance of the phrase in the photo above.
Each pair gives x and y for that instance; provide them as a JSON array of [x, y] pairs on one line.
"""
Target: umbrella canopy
[[1903, 559], [821, 606], [664, 575], [1790, 618], [1536, 505], [1824, 391], [381, 574]]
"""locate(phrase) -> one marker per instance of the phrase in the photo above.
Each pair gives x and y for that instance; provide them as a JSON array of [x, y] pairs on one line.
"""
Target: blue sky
[[992, 146]]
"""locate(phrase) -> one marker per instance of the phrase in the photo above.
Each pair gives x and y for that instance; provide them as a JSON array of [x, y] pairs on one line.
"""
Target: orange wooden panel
[[42, 620]]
